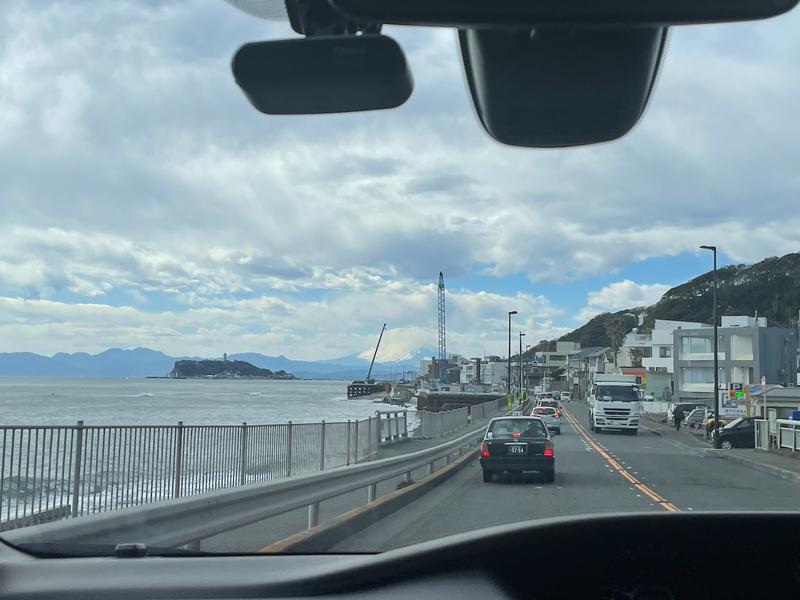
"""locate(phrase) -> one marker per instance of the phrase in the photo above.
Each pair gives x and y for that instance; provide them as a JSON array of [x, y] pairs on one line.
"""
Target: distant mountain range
[[770, 288], [143, 362]]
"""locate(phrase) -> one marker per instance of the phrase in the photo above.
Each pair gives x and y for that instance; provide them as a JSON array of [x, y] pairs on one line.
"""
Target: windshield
[[252, 296], [617, 393], [516, 428]]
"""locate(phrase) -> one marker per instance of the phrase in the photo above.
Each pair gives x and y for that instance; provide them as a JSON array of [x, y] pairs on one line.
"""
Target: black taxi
[[518, 445]]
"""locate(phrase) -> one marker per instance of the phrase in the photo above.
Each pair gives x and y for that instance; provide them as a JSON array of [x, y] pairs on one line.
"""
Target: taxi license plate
[[517, 449]]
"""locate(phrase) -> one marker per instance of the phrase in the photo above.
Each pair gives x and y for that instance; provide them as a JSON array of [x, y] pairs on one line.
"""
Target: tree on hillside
[[616, 330], [636, 355]]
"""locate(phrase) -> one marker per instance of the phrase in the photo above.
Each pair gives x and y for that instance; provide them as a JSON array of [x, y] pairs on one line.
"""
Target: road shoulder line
[[326, 535]]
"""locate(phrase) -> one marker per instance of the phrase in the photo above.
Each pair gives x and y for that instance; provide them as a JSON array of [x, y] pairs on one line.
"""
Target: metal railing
[[187, 520], [788, 434], [52, 472], [438, 424], [393, 425], [762, 436]]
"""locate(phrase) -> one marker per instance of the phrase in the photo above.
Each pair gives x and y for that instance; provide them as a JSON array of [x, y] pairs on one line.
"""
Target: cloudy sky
[[145, 203]]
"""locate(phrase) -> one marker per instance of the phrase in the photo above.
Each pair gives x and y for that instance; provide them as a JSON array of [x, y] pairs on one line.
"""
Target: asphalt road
[[595, 473]]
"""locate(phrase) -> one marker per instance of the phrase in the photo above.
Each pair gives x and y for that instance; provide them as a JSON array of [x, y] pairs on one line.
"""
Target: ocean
[[101, 401]]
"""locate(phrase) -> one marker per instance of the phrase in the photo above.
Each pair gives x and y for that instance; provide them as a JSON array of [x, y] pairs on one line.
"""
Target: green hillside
[[770, 288]]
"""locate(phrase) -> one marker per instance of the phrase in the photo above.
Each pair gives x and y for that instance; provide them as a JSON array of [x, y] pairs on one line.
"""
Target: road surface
[[595, 473]]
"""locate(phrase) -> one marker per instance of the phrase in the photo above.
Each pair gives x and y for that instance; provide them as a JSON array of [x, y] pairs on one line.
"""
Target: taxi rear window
[[524, 428], [544, 410]]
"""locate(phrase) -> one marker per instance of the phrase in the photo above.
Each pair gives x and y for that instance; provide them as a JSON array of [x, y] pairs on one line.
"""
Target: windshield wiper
[[127, 550]]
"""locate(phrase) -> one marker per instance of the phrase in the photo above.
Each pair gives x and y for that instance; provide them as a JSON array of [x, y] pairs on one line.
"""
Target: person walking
[[677, 417]]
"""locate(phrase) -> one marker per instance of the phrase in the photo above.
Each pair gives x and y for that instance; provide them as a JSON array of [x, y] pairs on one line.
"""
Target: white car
[[550, 416], [566, 397]]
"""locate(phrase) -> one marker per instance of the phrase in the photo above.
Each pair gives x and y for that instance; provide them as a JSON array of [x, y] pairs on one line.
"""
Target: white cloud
[[130, 164], [333, 326], [620, 295]]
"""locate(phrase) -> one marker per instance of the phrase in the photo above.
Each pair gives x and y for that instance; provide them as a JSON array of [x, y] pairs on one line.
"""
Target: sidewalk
[[689, 437], [772, 462]]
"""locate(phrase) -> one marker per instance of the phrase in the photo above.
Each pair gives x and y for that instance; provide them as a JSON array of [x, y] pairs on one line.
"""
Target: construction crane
[[374, 354], [442, 342], [369, 386]]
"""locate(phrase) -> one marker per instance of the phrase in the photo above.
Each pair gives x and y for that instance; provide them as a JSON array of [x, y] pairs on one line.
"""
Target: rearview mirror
[[478, 13], [325, 74]]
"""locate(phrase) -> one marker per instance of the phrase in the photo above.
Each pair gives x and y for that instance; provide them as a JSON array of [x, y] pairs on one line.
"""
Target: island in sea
[[223, 369]]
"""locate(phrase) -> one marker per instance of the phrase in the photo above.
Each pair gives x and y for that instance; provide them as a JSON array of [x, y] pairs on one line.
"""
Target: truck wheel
[[591, 424], [558, 431], [636, 431], [597, 429], [487, 475], [550, 476]]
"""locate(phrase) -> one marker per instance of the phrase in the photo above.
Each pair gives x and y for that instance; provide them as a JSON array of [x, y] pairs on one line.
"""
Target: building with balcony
[[492, 370], [583, 364], [747, 350]]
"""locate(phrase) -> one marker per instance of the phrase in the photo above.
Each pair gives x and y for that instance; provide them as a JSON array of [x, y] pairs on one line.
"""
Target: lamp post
[[528, 373], [508, 378], [713, 249], [521, 335]]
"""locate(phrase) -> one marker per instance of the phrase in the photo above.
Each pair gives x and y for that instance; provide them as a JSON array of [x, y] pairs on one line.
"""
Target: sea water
[[104, 401]]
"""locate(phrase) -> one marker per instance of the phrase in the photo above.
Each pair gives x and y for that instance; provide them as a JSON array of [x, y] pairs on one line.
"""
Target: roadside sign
[[734, 402]]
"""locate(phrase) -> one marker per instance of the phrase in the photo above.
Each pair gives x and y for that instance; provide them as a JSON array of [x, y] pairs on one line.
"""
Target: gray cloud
[[130, 161]]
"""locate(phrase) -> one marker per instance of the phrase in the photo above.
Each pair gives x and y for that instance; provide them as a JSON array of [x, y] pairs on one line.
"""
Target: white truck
[[615, 403]]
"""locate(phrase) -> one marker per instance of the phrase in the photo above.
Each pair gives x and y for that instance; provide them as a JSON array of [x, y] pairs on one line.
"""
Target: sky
[[144, 202]]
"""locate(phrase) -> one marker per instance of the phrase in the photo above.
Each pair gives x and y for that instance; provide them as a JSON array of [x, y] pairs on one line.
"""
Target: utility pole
[[521, 335], [508, 376], [716, 350], [528, 375]]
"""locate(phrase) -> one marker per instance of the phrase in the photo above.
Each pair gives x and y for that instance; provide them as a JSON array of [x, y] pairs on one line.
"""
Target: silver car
[[550, 416]]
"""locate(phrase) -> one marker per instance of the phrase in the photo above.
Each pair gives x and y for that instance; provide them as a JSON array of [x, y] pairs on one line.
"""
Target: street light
[[527, 372], [521, 335], [508, 378], [716, 350]]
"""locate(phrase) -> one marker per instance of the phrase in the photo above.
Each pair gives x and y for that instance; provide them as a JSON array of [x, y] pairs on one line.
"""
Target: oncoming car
[[517, 445], [550, 416]]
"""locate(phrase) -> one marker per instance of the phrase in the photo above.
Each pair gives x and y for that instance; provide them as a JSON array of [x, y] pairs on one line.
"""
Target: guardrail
[[53, 472], [187, 520]]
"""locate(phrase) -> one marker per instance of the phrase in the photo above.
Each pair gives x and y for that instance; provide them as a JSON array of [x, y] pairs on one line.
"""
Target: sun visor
[[555, 87]]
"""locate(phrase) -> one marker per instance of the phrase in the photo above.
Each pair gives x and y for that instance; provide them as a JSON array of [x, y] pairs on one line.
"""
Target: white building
[[658, 357], [747, 351], [559, 357], [493, 371]]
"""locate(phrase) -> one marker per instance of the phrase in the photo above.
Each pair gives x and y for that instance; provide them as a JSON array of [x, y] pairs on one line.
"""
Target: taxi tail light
[[484, 450], [548, 448]]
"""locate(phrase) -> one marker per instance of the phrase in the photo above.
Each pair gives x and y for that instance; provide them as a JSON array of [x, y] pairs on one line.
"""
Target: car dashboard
[[641, 556]]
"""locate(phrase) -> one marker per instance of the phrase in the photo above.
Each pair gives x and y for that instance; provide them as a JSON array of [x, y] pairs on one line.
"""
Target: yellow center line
[[617, 467]]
